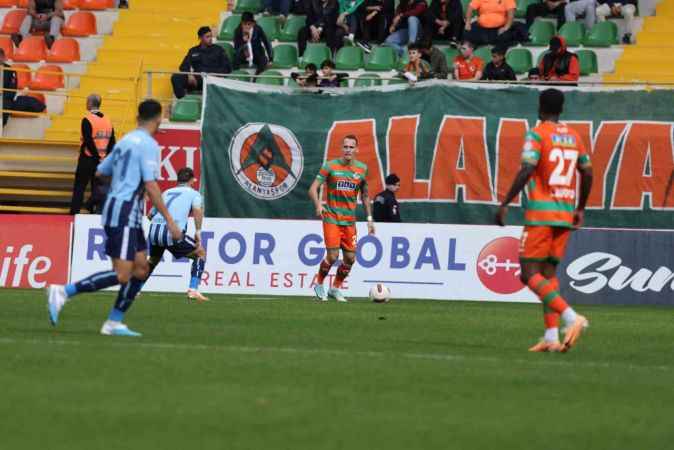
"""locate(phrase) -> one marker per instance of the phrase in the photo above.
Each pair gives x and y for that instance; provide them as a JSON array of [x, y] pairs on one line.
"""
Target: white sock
[[569, 316], [551, 335]]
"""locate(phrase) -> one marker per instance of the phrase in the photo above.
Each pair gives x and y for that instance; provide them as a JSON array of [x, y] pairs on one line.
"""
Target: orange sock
[[323, 271], [342, 272], [546, 292]]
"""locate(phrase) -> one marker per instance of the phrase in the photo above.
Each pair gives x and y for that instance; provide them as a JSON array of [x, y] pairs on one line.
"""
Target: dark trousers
[[541, 9], [489, 36], [85, 174], [332, 36], [6, 101], [260, 61], [180, 87], [453, 32], [375, 29]]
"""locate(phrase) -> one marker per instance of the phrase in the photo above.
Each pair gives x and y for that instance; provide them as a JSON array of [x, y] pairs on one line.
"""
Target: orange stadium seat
[[23, 4], [81, 23], [12, 21], [23, 75], [8, 46], [71, 4], [64, 50], [47, 78], [32, 49], [96, 4], [8, 3]]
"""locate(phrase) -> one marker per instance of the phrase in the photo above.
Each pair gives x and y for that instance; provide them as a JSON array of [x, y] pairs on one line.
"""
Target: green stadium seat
[[540, 33], [403, 61], [349, 58], [450, 54], [254, 6], [316, 54], [522, 5], [240, 75], [520, 60], [271, 81], [464, 6], [484, 53], [229, 50], [587, 59], [573, 33], [187, 109], [368, 80], [381, 58], [228, 27], [291, 28], [285, 56], [270, 25], [602, 34]]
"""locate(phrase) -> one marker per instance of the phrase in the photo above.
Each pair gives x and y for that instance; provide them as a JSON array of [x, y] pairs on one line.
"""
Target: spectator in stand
[[328, 77], [8, 82], [558, 64], [578, 8], [446, 22], [277, 7], [416, 69], [436, 58], [626, 9], [204, 58], [321, 25], [546, 8], [498, 69], [251, 45], [349, 18], [97, 141], [385, 205], [375, 20], [308, 78], [406, 24], [467, 66], [43, 15], [495, 23]]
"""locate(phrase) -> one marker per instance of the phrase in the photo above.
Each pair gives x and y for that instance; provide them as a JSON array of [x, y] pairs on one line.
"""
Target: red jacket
[[563, 66]]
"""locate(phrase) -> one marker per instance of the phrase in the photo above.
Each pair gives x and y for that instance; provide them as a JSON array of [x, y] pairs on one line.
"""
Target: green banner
[[456, 149]]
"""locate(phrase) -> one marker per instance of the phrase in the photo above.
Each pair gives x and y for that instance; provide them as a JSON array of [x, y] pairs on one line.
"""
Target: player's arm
[[198, 214], [365, 198], [152, 213], [585, 170], [153, 191], [313, 189], [530, 156]]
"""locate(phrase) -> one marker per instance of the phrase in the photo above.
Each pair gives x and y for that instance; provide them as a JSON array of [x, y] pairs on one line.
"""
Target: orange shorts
[[338, 236], [544, 244]]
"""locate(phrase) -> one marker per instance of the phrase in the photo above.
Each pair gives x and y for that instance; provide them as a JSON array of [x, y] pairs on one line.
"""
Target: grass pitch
[[290, 373]]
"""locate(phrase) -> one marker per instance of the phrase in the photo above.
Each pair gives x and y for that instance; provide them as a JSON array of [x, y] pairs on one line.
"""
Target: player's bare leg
[[331, 256], [349, 258], [198, 258]]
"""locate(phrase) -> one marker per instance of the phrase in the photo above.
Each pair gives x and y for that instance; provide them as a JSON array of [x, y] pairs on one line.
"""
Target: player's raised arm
[[365, 198]]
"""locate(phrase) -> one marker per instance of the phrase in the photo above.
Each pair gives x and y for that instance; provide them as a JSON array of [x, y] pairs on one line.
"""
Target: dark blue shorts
[[124, 242], [179, 249]]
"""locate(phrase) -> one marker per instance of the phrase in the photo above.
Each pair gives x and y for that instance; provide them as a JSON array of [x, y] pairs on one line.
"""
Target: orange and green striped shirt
[[556, 151], [344, 182]]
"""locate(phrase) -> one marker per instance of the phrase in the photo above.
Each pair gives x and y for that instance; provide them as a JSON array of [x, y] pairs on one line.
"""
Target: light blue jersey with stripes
[[180, 201], [133, 161]]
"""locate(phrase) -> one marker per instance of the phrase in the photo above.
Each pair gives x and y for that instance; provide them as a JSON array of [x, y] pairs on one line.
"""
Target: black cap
[[203, 30], [247, 17], [555, 44], [392, 179]]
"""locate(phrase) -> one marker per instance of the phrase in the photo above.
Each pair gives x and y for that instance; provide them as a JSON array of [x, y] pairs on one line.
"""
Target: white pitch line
[[368, 354]]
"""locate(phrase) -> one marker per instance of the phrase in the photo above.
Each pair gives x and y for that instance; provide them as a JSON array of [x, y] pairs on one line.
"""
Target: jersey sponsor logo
[[345, 185], [564, 193], [266, 160], [564, 140], [498, 266]]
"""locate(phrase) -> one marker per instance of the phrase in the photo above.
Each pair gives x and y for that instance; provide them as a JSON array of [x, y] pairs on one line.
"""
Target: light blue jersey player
[[133, 166], [180, 201]]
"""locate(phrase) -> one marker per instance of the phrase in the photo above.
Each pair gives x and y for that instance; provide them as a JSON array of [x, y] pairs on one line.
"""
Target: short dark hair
[[328, 63], [311, 67], [352, 137], [498, 50], [247, 17], [392, 179], [185, 175], [149, 109], [203, 30], [551, 101], [414, 46]]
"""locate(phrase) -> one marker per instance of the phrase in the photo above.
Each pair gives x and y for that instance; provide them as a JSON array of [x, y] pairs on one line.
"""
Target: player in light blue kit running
[[180, 201], [134, 167]]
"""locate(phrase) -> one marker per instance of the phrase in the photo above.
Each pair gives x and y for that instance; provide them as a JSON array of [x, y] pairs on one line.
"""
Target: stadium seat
[[23, 75], [71, 4], [285, 56], [291, 28], [270, 26], [7, 46], [484, 53], [367, 80], [381, 58], [96, 5], [47, 78], [228, 27], [403, 61], [276, 81], [80, 23], [254, 6], [240, 75], [64, 50], [230, 52], [520, 60], [187, 109], [602, 34], [522, 5], [316, 54], [12, 21], [464, 6], [8, 3], [349, 58], [573, 33], [23, 4], [32, 49], [587, 59], [450, 54], [540, 33]]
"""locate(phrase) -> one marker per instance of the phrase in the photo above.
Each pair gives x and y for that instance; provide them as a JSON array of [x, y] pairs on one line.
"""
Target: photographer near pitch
[[386, 208]]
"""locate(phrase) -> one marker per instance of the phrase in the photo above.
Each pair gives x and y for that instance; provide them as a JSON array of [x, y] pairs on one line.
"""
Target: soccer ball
[[380, 293]]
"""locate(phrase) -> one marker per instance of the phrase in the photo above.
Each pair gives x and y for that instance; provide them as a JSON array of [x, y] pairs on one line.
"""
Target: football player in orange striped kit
[[552, 154], [345, 178]]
